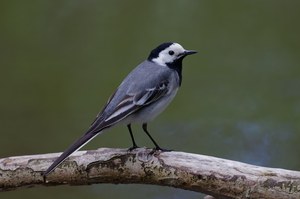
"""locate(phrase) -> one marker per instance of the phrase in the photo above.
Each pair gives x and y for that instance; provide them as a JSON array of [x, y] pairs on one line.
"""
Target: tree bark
[[217, 177]]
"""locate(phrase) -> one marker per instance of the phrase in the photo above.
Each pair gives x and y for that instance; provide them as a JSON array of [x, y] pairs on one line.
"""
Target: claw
[[159, 150], [162, 150], [132, 148]]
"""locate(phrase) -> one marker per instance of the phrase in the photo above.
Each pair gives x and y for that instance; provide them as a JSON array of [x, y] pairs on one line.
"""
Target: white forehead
[[164, 57], [177, 48]]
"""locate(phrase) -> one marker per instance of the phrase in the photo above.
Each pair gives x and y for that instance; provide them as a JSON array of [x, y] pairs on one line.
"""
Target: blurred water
[[240, 99]]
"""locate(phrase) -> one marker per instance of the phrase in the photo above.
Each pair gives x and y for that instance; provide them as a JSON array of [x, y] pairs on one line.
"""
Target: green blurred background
[[240, 97]]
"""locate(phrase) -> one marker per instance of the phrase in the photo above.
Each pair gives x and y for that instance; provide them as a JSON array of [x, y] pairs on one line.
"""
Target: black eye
[[171, 52]]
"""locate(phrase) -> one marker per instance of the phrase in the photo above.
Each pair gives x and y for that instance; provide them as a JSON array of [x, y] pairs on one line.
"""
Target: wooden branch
[[214, 176]]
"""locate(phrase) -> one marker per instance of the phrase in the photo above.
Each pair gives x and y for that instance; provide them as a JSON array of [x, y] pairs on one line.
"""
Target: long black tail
[[74, 147]]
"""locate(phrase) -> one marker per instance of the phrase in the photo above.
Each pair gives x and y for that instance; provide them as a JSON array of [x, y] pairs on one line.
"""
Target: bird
[[143, 94]]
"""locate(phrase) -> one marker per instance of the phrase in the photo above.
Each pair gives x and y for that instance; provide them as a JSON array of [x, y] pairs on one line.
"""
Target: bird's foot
[[158, 150], [132, 148]]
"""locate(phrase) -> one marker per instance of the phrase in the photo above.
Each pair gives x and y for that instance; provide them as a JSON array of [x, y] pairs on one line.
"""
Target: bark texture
[[217, 177]]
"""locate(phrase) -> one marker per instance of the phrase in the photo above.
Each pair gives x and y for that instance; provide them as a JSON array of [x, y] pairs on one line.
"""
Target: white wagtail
[[142, 95]]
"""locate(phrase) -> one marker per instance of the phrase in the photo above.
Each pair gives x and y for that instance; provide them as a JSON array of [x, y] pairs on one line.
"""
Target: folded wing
[[129, 104]]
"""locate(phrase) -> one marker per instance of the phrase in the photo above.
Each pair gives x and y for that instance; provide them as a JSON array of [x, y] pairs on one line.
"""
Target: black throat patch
[[177, 66]]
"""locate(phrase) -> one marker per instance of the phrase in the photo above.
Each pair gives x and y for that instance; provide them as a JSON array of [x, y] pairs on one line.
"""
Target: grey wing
[[152, 94], [133, 102], [128, 105]]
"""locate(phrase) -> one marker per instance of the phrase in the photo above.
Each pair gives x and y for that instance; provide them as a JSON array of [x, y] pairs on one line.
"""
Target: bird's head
[[168, 54]]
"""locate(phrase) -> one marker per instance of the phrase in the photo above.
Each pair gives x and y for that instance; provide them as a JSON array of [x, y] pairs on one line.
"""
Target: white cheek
[[163, 59], [160, 61]]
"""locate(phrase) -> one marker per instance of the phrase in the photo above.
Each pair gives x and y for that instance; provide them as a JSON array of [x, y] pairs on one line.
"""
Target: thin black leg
[[134, 146], [156, 145]]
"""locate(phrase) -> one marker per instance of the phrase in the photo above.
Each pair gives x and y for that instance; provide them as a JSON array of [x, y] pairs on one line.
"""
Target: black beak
[[185, 53], [189, 52]]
